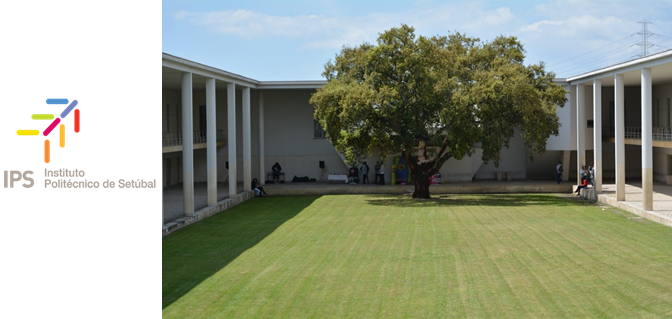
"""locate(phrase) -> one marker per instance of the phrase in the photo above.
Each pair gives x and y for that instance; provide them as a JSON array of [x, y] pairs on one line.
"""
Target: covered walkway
[[662, 200], [173, 197]]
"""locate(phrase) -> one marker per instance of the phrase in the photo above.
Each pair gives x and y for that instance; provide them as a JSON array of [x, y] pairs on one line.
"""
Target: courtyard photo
[[416, 159]]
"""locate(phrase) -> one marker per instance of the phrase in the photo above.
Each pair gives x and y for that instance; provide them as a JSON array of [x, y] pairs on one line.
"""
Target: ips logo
[[16, 176], [52, 126]]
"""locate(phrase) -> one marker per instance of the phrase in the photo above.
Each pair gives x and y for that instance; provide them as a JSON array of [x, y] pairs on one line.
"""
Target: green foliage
[[409, 95]]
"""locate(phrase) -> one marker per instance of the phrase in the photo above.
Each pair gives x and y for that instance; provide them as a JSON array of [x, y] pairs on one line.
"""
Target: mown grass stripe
[[388, 256], [522, 233], [520, 290], [560, 244], [583, 240]]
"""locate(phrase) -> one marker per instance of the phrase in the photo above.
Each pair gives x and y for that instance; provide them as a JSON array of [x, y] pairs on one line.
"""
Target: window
[[612, 117], [165, 118], [318, 131], [657, 114], [203, 118]]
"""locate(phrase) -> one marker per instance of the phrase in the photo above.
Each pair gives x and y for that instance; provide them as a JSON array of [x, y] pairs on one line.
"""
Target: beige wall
[[662, 105], [512, 159], [660, 163], [566, 138], [171, 100], [288, 134]]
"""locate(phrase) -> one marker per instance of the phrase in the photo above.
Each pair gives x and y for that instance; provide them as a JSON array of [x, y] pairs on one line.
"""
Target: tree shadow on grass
[[470, 200], [196, 252]]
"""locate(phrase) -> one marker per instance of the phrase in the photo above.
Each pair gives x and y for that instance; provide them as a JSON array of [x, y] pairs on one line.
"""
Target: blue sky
[[292, 40]]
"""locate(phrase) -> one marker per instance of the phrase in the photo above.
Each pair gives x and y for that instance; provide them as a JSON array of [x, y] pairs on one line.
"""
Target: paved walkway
[[662, 196], [173, 196], [173, 199]]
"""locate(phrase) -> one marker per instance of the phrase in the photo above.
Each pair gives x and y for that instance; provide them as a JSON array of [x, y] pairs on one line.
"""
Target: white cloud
[[537, 26], [471, 18], [248, 24], [321, 31], [497, 18], [572, 41], [546, 29]]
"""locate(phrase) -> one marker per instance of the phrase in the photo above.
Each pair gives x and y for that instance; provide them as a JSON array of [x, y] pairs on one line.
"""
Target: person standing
[[365, 173], [376, 170], [592, 174], [382, 173], [559, 170]]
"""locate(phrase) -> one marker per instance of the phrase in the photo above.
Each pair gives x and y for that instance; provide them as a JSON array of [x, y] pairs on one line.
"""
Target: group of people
[[379, 170], [587, 176], [276, 170]]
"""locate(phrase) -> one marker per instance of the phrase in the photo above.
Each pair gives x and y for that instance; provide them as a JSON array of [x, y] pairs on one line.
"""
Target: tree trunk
[[421, 186]]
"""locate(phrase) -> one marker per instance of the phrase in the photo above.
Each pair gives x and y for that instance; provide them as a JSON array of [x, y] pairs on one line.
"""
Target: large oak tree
[[432, 99]]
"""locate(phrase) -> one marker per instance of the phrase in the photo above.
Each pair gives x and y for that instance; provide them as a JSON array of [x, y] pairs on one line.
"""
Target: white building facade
[[624, 122], [212, 117]]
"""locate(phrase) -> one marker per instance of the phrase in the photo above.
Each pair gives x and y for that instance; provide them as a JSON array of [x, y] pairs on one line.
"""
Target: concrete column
[[210, 102], [247, 141], [565, 161], [262, 162], [597, 133], [647, 141], [231, 114], [619, 105], [571, 98], [580, 127], [187, 145]]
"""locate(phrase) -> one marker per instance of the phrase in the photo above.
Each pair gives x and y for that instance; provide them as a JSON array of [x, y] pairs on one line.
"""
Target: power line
[[617, 55], [590, 60], [614, 52], [662, 36], [578, 56], [644, 43]]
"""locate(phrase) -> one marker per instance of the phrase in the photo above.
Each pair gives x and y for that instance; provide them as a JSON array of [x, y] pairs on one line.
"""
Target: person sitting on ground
[[255, 187], [353, 174], [578, 189], [276, 169]]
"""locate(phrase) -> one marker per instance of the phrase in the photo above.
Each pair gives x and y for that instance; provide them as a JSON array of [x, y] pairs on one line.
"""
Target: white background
[[92, 252]]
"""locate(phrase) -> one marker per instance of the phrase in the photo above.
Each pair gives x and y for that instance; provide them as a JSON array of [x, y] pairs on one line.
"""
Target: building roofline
[[209, 68], [291, 84], [561, 81], [311, 84], [647, 61]]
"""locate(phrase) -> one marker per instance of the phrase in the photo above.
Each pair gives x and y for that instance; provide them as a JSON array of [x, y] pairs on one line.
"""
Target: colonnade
[[619, 122], [188, 142]]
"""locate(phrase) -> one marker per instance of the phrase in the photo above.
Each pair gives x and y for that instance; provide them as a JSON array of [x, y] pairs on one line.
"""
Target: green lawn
[[363, 256]]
